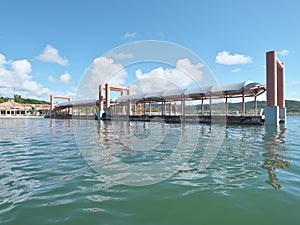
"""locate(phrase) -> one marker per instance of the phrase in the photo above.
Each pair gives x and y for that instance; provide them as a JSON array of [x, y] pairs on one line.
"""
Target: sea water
[[52, 172]]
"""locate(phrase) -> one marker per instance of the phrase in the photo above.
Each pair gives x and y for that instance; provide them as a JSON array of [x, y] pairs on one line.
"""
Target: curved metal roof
[[248, 88]]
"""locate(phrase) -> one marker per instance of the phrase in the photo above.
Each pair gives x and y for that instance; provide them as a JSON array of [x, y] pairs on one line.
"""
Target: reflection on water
[[245, 153], [44, 178], [274, 140], [138, 153]]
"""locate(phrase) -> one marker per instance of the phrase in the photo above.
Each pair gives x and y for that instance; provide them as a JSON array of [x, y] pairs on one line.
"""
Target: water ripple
[[43, 173]]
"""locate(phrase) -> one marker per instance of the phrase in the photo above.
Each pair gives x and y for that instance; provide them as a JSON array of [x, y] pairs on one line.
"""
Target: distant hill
[[292, 107], [19, 99]]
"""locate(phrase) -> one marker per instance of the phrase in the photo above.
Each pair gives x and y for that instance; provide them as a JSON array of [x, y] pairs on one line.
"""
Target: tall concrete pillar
[[280, 92], [271, 78], [275, 109]]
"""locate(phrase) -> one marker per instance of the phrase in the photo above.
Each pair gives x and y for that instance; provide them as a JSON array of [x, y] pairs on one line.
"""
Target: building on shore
[[12, 108]]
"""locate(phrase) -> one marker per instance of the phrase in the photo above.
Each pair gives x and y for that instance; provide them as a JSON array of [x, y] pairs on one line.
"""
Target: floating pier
[[171, 105]]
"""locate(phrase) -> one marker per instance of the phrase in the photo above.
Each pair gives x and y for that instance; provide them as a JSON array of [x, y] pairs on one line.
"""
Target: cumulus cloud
[[106, 70], [283, 52], [129, 35], [15, 78], [51, 54], [64, 78], [103, 70], [232, 59], [184, 74]]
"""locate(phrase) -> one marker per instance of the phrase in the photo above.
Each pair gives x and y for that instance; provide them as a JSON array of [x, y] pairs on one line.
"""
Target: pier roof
[[234, 90]]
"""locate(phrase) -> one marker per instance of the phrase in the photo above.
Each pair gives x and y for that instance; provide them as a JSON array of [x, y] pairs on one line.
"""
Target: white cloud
[[184, 74], [15, 78], [283, 52], [51, 54], [232, 59], [129, 35], [2, 60], [236, 70], [106, 70], [65, 78], [103, 70]]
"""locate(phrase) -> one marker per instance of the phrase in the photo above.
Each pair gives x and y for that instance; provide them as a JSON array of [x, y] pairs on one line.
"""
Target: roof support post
[[255, 104], [202, 106], [164, 108], [243, 104], [144, 108], [210, 110], [135, 108], [175, 108], [226, 105], [183, 107]]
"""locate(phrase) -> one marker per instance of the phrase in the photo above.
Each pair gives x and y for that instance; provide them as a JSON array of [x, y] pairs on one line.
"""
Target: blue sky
[[46, 46]]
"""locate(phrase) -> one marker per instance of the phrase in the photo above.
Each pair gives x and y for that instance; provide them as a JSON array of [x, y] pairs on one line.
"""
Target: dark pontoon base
[[247, 120]]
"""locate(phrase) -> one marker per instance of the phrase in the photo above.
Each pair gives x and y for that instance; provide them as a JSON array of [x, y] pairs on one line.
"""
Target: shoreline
[[22, 117]]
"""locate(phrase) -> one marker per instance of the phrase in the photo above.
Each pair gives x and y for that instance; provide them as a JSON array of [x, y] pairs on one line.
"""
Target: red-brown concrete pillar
[[280, 85], [271, 78]]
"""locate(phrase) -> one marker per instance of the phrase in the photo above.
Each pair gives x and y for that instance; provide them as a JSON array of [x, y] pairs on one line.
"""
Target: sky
[[48, 47]]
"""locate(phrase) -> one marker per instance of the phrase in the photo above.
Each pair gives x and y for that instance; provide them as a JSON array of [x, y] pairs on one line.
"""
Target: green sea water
[[46, 178]]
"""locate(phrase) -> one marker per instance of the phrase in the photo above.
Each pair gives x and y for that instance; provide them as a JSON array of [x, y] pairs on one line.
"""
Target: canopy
[[247, 89]]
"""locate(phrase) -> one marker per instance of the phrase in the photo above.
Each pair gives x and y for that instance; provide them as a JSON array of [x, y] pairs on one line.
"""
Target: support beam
[[175, 108], [210, 109], [255, 104], [107, 96], [226, 105], [183, 107], [202, 106], [243, 104]]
